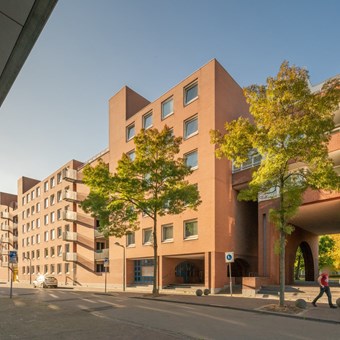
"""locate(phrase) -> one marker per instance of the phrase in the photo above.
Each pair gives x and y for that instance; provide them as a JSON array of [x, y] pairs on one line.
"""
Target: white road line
[[54, 296], [163, 311], [88, 300], [112, 304]]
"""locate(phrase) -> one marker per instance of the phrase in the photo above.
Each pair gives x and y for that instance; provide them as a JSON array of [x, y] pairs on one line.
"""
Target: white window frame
[[191, 237], [150, 241], [147, 115], [162, 107], [189, 153], [169, 225], [186, 122], [186, 89], [128, 128]]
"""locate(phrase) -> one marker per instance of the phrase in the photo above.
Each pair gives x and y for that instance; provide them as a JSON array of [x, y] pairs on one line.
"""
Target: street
[[70, 314]]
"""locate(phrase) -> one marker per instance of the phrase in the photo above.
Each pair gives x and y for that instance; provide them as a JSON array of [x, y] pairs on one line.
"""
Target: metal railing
[[101, 254]]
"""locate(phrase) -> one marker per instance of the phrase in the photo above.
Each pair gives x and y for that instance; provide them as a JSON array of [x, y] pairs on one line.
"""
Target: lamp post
[[29, 259], [119, 245]]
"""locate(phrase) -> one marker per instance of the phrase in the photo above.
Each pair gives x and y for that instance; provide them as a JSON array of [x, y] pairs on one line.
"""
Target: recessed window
[[52, 181], [130, 132], [45, 219], [52, 216], [190, 229], [147, 120], [46, 186], [52, 199], [147, 236], [33, 195], [38, 207], [59, 177], [167, 107], [190, 93], [38, 191], [130, 239], [59, 196], [167, 233], [46, 203], [59, 232], [190, 127], [131, 155], [46, 236], [191, 159]]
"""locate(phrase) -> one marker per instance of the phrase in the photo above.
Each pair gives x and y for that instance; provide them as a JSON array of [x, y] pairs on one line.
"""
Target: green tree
[[153, 184], [326, 251], [289, 127], [299, 264]]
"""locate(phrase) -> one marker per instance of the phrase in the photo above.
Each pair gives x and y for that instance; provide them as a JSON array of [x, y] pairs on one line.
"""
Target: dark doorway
[[304, 264], [189, 272], [239, 269]]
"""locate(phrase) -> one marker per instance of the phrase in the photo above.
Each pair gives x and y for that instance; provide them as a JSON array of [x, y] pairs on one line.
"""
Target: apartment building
[[56, 237], [8, 233]]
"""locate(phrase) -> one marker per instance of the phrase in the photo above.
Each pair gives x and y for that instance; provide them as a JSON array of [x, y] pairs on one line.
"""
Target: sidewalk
[[322, 313]]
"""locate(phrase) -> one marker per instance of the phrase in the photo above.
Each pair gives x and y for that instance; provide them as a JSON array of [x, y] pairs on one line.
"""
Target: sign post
[[229, 258], [106, 265], [12, 260]]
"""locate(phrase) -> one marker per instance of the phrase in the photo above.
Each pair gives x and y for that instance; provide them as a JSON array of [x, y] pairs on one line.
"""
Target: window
[[45, 219], [23, 200], [59, 268], [59, 250], [67, 248], [131, 155], [38, 253], [32, 195], [52, 182], [46, 236], [32, 224], [190, 229], [52, 216], [167, 107], [32, 254], [46, 252], [23, 228], [147, 120], [52, 251], [67, 268], [45, 269], [52, 268], [147, 236], [59, 196], [32, 239], [38, 269], [191, 160], [100, 268], [130, 239], [190, 127], [28, 198], [38, 222], [46, 186], [32, 210], [59, 232], [59, 214], [23, 214], [37, 237], [46, 203], [38, 207], [38, 191], [52, 200], [52, 234], [59, 177], [28, 212], [167, 233], [130, 132], [190, 93]]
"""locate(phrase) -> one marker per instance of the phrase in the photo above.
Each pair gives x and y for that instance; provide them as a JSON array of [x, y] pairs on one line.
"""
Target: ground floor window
[[100, 268], [144, 270]]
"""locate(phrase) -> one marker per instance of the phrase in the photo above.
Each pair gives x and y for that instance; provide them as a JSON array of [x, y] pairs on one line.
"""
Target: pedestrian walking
[[324, 288]]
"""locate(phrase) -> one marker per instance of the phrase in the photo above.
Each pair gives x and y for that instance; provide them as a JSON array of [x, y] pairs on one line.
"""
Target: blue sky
[[57, 109]]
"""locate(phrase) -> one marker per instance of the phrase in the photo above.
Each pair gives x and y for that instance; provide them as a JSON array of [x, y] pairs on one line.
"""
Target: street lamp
[[29, 259], [119, 245]]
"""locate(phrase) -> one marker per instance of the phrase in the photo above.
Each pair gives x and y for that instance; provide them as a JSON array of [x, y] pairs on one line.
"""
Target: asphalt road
[[67, 314]]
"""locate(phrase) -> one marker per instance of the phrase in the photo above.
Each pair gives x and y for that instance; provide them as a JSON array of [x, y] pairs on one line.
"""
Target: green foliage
[[326, 250], [290, 128]]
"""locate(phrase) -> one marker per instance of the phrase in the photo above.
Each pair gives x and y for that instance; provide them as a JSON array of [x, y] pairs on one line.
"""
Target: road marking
[[163, 311], [54, 296], [112, 304], [88, 300], [55, 307]]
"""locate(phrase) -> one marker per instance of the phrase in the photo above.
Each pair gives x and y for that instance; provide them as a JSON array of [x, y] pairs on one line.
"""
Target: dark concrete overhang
[[21, 22]]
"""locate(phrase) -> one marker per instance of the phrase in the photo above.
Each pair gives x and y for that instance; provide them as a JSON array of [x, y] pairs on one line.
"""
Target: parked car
[[45, 281]]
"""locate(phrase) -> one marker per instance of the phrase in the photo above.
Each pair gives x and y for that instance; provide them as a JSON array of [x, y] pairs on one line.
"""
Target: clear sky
[[57, 109]]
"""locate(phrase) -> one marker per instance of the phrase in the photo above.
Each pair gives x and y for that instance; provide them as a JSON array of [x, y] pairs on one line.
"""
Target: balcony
[[70, 175], [70, 236], [98, 234], [7, 228], [5, 215], [70, 257], [69, 215], [253, 161], [70, 196], [101, 254], [5, 240]]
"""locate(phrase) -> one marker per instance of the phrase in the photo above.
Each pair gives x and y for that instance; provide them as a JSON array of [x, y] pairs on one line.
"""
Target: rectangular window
[[190, 127], [38, 191], [38, 254], [131, 155], [32, 224], [52, 251], [46, 203], [52, 216], [147, 236], [167, 233], [52, 182], [46, 252], [46, 186], [33, 195], [130, 131], [67, 268], [37, 237], [59, 214], [167, 107], [59, 196], [147, 120], [52, 268], [38, 207], [59, 177], [52, 234], [191, 159], [32, 210], [100, 268], [38, 222], [45, 219], [59, 232], [52, 200], [45, 269], [60, 250], [23, 200], [46, 236], [190, 93], [32, 239], [190, 229], [38, 269], [130, 239], [59, 268], [28, 198]]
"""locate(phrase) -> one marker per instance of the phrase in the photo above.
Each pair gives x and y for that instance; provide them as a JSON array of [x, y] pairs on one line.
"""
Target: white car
[[45, 281]]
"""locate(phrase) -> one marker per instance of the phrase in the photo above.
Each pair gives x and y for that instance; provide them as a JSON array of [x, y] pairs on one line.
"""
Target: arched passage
[[308, 261]]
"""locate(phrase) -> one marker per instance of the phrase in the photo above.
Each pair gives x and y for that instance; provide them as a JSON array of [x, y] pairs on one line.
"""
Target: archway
[[304, 260]]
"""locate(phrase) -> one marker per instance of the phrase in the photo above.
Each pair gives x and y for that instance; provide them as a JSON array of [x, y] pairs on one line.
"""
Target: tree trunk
[[155, 288], [282, 267]]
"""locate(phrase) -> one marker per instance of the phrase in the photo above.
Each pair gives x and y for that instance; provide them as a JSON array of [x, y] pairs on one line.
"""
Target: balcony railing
[[98, 234], [251, 162], [68, 215], [5, 215], [101, 254], [5, 240], [70, 236], [70, 257], [70, 175], [70, 196]]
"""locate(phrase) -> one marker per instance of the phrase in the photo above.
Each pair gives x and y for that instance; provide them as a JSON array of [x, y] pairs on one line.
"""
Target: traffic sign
[[106, 262], [229, 257], [13, 256]]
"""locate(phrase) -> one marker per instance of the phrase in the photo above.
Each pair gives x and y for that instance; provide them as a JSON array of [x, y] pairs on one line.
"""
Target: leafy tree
[[153, 184], [288, 125], [336, 251], [299, 264], [326, 250]]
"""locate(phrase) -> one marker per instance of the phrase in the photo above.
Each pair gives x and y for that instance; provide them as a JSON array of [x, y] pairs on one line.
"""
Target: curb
[[256, 311]]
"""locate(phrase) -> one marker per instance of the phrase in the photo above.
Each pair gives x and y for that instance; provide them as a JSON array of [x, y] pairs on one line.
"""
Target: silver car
[[45, 281]]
